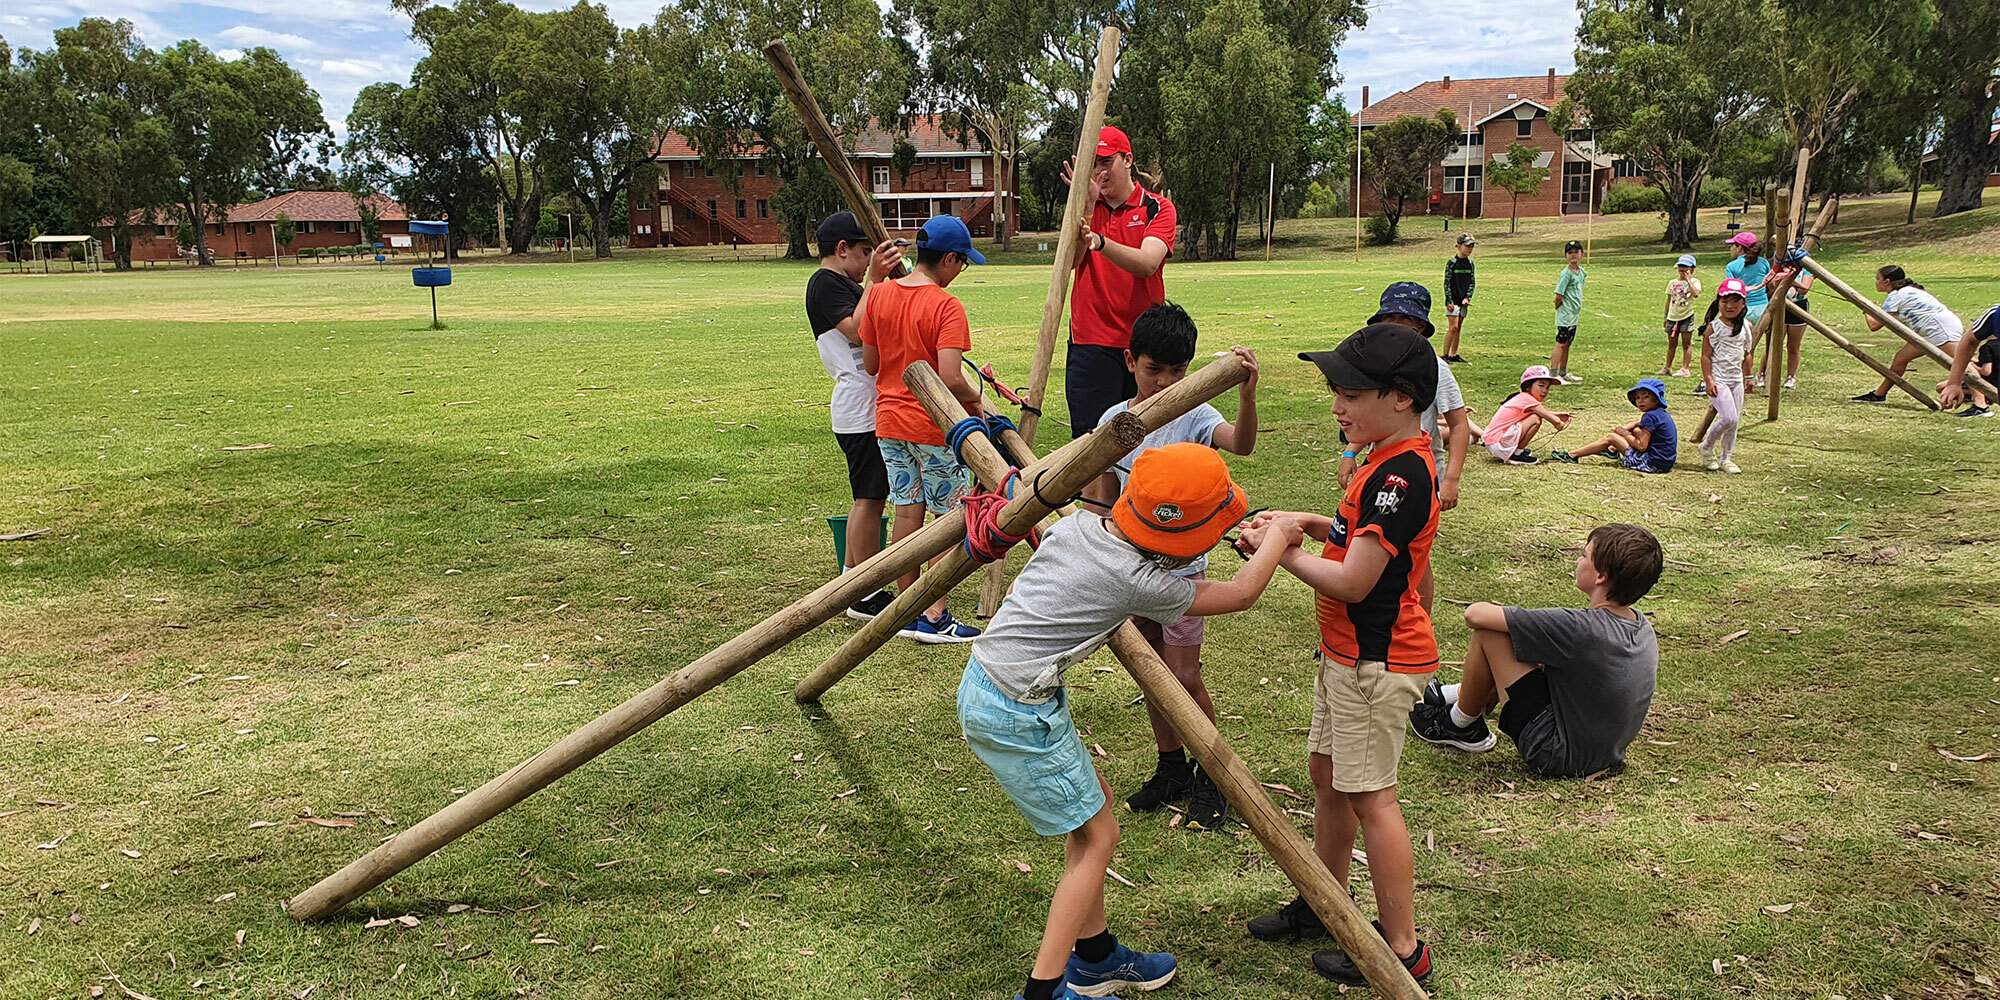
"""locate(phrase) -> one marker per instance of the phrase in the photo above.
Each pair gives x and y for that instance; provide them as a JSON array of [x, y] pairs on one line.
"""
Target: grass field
[[444, 549]]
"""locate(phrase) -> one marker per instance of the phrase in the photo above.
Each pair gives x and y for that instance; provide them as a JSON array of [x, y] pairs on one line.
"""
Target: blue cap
[[1687, 260], [1652, 385], [948, 234], [1406, 298]]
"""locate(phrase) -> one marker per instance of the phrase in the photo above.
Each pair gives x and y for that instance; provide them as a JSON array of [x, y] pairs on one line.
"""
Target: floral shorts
[[927, 474]]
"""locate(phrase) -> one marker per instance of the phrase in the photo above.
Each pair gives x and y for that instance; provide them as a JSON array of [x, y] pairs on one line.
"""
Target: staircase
[[699, 225]]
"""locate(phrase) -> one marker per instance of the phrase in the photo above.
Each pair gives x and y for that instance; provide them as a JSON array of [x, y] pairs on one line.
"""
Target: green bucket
[[839, 526]]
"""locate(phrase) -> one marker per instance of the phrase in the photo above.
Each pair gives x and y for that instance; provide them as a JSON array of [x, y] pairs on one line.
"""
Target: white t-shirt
[[1726, 353], [1079, 585], [853, 387], [1197, 425], [1449, 398], [1925, 314]]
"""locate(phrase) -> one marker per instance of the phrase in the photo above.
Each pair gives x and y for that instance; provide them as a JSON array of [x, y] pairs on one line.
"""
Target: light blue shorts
[[1753, 313], [927, 474], [1033, 751]]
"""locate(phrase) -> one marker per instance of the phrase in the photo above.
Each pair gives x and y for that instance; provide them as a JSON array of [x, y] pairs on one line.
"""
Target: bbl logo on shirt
[[1167, 513], [1390, 497]]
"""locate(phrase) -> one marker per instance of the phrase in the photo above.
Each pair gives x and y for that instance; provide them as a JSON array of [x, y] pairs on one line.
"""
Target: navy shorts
[[1094, 380], [1529, 719]]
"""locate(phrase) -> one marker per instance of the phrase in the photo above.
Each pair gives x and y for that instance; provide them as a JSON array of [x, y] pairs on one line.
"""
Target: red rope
[[985, 542]]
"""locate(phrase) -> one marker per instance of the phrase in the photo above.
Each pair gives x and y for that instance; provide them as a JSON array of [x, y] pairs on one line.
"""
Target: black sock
[[1174, 761], [1096, 948], [1040, 989]]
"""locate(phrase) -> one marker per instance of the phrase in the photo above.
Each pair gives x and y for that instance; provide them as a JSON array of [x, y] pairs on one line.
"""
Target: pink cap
[[1732, 286], [1746, 238], [1536, 373]]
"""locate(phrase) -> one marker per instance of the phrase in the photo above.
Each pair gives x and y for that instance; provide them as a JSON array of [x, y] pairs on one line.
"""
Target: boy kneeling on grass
[[1577, 681], [1089, 575]]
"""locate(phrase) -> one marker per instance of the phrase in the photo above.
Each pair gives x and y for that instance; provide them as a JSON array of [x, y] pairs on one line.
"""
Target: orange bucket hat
[[1179, 500]]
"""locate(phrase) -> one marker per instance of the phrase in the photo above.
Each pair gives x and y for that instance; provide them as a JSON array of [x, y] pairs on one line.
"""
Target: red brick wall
[[1499, 133], [249, 240], [687, 202]]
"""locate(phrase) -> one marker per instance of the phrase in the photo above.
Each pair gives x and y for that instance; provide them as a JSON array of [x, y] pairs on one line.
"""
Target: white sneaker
[[1791, 383], [1731, 469], [1569, 379], [1700, 388], [1712, 465]]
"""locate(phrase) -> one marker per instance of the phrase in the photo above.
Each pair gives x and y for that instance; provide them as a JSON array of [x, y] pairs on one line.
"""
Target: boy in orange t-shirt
[[914, 319]]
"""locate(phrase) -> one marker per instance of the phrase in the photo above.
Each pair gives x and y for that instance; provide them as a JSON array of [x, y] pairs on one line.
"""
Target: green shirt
[[1569, 285]]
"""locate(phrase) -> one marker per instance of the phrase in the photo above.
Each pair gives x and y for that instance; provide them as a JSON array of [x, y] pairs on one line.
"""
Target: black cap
[[1382, 356], [1572, 246], [839, 226], [1406, 298]]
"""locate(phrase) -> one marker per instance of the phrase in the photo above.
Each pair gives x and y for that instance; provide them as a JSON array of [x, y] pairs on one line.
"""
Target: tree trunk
[[1916, 185], [1682, 201], [123, 254], [527, 211], [1514, 215], [1965, 152], [1233, 216], [198, 221], [600, 223]]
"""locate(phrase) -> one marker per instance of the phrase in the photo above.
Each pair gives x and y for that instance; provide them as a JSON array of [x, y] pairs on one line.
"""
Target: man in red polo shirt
[[1121, 253]]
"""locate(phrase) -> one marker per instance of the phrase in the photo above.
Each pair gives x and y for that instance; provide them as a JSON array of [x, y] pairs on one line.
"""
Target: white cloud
[[249, 35]]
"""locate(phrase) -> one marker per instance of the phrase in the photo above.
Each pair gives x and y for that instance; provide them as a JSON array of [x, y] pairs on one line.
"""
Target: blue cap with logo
[[946, 233], [1406, 298]]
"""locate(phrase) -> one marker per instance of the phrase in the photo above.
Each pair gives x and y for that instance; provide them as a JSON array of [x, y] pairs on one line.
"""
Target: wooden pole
[[793, 83], [649, 706], [1844, 344], [1901, 329], [1154, 413], [1105, 445], [1773, 320], [1218, 760], [1075, 210], [1271, 212]]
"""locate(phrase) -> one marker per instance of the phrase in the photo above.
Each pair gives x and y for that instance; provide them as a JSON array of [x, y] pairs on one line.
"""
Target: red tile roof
[[316, 206], [1486, 96], [928, 133]]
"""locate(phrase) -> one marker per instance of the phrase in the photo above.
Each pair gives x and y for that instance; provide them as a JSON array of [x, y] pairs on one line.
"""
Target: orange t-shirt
[[908, 323], [1394, 498]]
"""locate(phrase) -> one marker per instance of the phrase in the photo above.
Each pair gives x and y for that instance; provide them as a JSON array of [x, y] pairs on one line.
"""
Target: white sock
[[1451, 694], [1460, 719]]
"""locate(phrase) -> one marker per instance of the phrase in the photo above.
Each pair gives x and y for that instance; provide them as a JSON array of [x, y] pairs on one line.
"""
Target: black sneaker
[[1163, 787], [1869, 397], [1562, 456], [1434, 693], [1335, 965], [868, 607], [1433, 725], [1207, 809], [1523, 457], [1975, 411], [1294, 921]]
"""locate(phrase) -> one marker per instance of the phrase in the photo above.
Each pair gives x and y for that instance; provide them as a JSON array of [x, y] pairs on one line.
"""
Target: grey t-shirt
[[1197, 425], [1601, 671], [1449, 398], [1082, 583]]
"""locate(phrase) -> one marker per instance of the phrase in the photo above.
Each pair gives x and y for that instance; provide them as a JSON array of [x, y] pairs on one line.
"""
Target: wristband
[[1350, 454]]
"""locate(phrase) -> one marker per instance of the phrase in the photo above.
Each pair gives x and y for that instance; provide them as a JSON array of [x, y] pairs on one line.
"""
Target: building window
[[218, 229], [945, 206], [249, 229], [763, 208], [343, 227], [760, 168], [1625, 168], [690, 168], [1472, 137], [742, 209], [159, 230], [307, 227], [1576, 182], [1456, 180], [960, 164], [707, 171], [1581, 135], [1524, 127], [881, 175], [711, 209]]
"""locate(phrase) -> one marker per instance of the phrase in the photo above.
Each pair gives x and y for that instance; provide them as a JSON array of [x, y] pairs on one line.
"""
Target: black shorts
[[866, 475], [1680, 326], [1804, 306], [1094, 380], [1565, 334], [1529, 719]]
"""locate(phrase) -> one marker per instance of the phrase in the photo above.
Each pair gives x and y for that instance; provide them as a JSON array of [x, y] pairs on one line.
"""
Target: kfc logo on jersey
[[1395, 482]]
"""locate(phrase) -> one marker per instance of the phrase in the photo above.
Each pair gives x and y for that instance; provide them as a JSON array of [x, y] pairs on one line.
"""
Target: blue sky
[[343, 45]]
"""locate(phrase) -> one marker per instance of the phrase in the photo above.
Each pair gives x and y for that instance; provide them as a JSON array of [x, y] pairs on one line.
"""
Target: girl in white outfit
[[1725, 339], [1921, 312]]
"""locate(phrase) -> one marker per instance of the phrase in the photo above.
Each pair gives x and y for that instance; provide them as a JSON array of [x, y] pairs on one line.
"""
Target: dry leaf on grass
[[225, 897], [331, 824], [543, 939], [457, 908], [1961, 758], [260, 446], [408, 921], [1715, 964], [53, 844], [1121, 880], [34, 926], [260, 824], [128, 852], [1780, 909], [1023, 867], [240, 935], [1733, 636]]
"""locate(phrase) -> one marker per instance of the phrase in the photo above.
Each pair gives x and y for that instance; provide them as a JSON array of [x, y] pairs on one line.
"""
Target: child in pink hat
[[1725, 338], [1517, 420]]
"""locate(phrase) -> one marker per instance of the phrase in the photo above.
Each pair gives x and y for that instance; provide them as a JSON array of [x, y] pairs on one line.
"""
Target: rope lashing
[[996, 425], [985, 541], [959, 432], [1014, 396]]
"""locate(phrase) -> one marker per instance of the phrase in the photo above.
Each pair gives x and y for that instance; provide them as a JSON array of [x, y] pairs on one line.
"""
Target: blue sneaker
[[942, 629], [1063, 992], [1124, 969]]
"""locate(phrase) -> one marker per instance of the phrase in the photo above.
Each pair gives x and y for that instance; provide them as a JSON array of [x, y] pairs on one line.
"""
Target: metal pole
[[569, 218], [1271, 211], [1357, 185]]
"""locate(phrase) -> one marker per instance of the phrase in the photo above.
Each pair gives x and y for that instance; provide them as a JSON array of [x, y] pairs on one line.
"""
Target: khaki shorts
[[1360, 715]]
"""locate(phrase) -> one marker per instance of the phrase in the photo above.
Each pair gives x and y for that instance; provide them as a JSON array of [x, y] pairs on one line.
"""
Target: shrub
[[1721, 192], [1624, 198], [1381, 232]]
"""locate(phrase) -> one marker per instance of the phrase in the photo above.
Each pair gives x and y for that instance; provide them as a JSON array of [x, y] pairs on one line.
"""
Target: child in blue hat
[[1648, 444]]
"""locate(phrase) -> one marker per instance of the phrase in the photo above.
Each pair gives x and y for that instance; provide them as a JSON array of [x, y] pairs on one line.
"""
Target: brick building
[[1930, 167], [1495, 113], [693, 204], [320, 218]]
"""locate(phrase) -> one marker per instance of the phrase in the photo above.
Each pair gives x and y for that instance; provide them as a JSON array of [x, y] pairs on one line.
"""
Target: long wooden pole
[[1075, 210], [1773, 320], [1218, 760], [1888, 320], [1154, 413], [793, 83], [1863, 356]]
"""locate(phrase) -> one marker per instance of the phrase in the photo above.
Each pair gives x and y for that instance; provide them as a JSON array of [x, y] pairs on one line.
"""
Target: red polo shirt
[[1107, 298]]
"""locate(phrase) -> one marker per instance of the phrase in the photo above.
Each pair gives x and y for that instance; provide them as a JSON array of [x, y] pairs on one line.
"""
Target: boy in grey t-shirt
[[1578, 681], [1090, 574]]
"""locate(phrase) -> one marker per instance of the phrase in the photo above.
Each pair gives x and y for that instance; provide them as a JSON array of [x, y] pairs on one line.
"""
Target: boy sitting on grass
[[1577, 681], [1163, 340], [1649, 444], [1376, 644], [1089, 575]]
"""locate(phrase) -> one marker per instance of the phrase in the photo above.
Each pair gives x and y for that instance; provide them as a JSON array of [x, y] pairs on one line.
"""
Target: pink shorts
[[1188, 630]]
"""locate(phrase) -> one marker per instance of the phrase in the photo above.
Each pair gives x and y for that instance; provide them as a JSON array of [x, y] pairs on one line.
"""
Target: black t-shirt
[[830, 297], [1989, 351]]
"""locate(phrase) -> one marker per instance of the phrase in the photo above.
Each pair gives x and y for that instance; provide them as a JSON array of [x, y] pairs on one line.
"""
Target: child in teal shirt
[[1569, 309]]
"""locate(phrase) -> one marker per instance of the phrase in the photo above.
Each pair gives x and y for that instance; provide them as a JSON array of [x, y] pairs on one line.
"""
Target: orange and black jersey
[[1394, 498]]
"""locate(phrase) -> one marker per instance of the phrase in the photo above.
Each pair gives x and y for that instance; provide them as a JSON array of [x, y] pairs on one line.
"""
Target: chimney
[[1447, 82], [1364, 97], [1552, 83]]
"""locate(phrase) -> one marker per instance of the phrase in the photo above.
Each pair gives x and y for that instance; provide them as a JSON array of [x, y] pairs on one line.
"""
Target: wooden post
[[1844, 344], [1152, 414], [1902, 330], [1075, 210], [1218, 760], [1774, 311], [793, 83], [649, 706]]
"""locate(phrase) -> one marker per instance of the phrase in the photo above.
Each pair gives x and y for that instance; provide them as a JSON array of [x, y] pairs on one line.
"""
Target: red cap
[[1112, 140]]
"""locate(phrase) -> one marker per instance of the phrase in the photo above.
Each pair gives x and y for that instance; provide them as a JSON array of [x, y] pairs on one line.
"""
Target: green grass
[[462, 544]]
